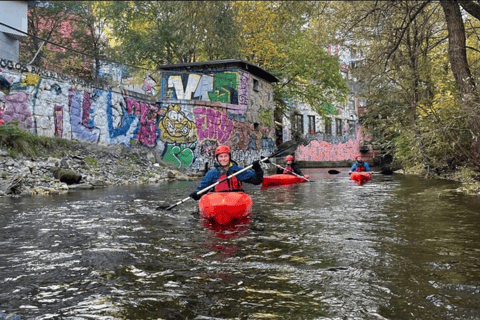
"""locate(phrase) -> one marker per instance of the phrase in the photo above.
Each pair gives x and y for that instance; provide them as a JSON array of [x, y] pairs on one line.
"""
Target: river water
[[397, 247]]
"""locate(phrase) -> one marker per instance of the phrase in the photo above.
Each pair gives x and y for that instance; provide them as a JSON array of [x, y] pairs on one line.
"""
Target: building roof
[[208, 66]]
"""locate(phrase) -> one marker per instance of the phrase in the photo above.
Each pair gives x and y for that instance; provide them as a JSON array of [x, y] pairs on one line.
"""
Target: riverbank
[[466, 176], [82, 165]]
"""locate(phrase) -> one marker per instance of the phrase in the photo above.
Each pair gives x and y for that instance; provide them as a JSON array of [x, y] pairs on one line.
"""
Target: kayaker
[[290, 168], [225, 166], [359, 165]]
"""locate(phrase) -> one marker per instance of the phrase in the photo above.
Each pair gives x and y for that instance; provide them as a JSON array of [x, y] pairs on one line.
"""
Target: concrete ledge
[[324, 164]]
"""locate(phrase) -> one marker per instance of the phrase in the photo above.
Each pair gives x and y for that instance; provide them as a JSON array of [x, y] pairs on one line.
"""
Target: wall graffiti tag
[[180, 155], [212, 124]]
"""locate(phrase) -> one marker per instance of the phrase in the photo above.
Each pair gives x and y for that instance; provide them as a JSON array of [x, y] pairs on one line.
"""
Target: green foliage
[[17, 141], [152, 33], [91, 161]]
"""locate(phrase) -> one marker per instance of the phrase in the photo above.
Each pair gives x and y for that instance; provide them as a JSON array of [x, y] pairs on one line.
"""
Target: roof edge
[[253, 69]]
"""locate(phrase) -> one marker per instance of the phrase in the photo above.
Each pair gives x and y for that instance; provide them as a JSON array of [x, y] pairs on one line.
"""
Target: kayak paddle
[[282, 149], [278, 166]]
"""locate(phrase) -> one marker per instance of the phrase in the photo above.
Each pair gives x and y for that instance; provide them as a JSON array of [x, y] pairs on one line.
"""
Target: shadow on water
[[393, 248]]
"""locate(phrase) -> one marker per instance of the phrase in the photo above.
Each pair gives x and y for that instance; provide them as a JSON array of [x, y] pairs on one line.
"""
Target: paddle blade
[[285, 148], [386, 172], [333, 171]]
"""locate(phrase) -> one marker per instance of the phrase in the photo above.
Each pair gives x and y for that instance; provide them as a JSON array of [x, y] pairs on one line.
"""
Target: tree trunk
[[458, 59]]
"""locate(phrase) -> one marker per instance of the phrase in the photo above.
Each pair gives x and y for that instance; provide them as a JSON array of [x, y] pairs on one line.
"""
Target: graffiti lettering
[[179, 155], [212, 124]]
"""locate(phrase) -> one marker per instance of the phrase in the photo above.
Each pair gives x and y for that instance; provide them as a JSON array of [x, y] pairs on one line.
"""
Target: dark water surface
[[394, 248]]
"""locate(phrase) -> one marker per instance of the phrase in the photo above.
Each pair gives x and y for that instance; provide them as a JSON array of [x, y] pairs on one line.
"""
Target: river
[[396, 247]]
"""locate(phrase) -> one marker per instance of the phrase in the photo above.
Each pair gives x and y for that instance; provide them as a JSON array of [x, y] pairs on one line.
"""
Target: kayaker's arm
[[296, 169], [210, 178], [354, 166], [366, 166], [254, 177]]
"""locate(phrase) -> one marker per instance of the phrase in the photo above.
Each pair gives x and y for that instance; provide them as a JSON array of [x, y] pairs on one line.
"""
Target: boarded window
[[328, 128], [299, 123], [255, 84], [339, 126], [311, 124]]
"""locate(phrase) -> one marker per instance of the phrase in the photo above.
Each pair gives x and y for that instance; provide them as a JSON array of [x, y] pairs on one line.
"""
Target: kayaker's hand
[[256, 166], [195, 196]]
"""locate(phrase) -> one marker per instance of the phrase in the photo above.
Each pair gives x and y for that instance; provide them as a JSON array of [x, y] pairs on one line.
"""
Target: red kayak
[[279, 179], [361, 176], [225, 207]]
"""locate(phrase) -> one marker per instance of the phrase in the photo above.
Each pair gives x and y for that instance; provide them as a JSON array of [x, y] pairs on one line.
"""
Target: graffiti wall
[[191, 115], [341, 143], [321, 148]]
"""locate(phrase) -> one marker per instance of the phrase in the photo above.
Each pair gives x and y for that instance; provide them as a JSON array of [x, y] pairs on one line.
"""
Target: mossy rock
[[66, 175]]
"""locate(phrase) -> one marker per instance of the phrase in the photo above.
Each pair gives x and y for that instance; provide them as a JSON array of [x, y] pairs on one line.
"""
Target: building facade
[[13, 14], [336, 140]]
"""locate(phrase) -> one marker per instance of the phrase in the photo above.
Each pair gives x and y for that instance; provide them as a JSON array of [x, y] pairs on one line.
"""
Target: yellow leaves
[[259, 32]]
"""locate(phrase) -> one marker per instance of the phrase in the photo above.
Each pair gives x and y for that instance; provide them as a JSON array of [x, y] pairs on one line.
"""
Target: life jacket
[[232, 184], [360, 168], [288, 170]]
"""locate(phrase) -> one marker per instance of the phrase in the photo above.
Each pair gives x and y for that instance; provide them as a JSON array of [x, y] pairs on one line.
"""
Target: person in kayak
[[290, 168], [225, 166], [359, 165]]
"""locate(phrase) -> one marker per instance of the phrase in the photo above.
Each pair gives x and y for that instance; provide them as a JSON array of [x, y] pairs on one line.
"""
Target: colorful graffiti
[[220, 87], [176, 127], [181, 156], [225, 88], [212, 124], [325, 151], [16, 109], [211, 110]]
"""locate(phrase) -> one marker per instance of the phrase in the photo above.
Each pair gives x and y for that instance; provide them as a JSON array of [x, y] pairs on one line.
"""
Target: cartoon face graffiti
[[176, 127]]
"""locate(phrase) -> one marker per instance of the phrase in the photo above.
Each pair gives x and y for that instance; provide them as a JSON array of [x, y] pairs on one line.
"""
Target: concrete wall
[[180, 130], [14, 14]]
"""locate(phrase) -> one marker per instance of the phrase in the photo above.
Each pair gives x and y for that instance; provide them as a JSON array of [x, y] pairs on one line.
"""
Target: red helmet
[[358, 156], [289, 158], [222, 149]]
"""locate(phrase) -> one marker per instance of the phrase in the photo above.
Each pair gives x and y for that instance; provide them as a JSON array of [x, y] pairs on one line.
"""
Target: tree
[[282, 38], [153, 33], [402, 37], [460, 67], [75, 29]]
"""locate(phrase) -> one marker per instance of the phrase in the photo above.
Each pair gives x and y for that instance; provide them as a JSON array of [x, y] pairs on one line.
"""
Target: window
[[338, 125], [255, 84], [328, 128], [351, 126], [299, 123], [311, 124]]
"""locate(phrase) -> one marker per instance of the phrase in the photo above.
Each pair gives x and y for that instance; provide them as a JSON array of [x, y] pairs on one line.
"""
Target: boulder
[[66, 175]]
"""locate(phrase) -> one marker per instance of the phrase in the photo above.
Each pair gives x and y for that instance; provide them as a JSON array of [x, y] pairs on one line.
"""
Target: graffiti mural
[[183, 86], [211, 109], [212, 124], [180, 155], [225, 88], [15, 109], [79, 131], [176, 127], [325, 151]]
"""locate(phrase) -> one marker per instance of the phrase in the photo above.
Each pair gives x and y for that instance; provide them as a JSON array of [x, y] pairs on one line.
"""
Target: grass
[[91, 161], [17, 141]]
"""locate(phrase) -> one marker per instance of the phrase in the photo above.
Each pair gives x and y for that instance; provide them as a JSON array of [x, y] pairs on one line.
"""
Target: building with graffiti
[[181, 115], [336, 139]]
